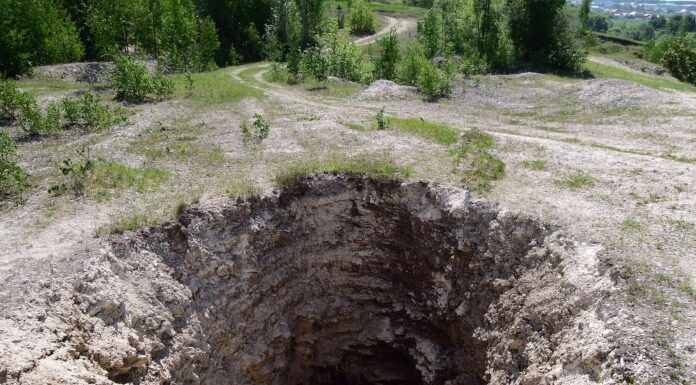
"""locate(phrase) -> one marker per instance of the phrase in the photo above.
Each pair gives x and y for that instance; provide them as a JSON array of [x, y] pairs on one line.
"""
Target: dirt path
[[399, 25]]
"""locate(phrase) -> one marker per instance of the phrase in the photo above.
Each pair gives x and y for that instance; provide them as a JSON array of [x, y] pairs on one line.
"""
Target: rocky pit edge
[[332, 281]]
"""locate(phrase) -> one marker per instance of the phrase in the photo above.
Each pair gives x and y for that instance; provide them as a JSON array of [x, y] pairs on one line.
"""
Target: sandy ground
[[637, 145]]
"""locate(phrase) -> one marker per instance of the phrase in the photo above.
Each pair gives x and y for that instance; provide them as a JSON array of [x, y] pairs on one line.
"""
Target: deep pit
[[343, 281]]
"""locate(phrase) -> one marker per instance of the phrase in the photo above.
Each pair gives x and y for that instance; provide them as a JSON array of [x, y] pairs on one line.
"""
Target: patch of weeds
[[534, 164], [382, 122], [438, 133], [78, 175], [308, 118], [355, 126], [686, 287], [630, 225], [361, 167], [258, 133], [242, 187], [129, 223], [475, 163], [88, 113], [109, 176], [177, 144], [680, 224], [576, 181]]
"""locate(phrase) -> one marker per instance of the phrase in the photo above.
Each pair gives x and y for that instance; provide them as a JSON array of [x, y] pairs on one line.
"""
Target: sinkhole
[[342, 281]]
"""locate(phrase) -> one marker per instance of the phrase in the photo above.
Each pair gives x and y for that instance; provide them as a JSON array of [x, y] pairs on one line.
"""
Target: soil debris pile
[[387, 89], [337, 281], [613, 93]]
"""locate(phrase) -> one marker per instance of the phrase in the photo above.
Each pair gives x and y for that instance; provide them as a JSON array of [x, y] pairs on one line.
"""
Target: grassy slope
[[606, 71]]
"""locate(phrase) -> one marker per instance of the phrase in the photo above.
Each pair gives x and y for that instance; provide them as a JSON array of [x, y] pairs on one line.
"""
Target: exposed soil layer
[[334, 281]]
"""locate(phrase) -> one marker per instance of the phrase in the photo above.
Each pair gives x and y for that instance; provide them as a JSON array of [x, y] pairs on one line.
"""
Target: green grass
[[242, 187], [109, 176], [576, 181], [361, 167], [214, 88], [38, 87], [606, 71], [475, 163], [130, 223], [435, 132], [177, 143], [534, 164], [630, 224], [356, 126], [681, 224]]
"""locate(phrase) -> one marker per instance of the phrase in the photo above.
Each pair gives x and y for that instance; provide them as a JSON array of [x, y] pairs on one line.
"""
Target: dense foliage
[[677, 54], [134, 84], [360, 20], [35, 32], [497, 34]]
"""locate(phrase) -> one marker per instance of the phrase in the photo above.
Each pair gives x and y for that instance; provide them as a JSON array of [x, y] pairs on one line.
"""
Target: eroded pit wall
[[343, 281]]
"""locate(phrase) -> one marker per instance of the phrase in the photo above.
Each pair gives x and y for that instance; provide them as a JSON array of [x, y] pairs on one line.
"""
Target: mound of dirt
[[332, 281], [613, 92], [525, 76], [90, 72], [387, 89], [93, 72]]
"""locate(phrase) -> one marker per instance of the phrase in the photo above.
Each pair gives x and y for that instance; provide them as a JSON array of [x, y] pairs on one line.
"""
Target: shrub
[[11, 100], [345, 59], [382, 121], [259, 133], [680, 58], [163, 88], [12, 178], [474, 65], [473, 158], [361, 20], [131, 81], [315, 65], [434, 83], [87, 113], [413, 62], [134, 84], [33, 122], [389, 57], [77, 173]]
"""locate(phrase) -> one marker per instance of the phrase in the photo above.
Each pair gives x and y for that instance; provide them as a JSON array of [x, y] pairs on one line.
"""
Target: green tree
[[679, 57], [585, 9], [34, 33], [430, 33], [310, 14], [389, 57], [361, 20], [413, 63], [541, 34]]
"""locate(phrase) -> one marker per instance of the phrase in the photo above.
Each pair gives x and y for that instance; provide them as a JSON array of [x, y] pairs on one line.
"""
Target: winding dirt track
[[399, 26]]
